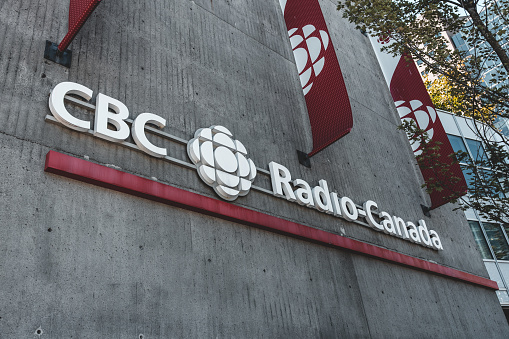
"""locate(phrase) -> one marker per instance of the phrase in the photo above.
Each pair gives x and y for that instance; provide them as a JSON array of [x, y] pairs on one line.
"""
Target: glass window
[[480, 240], [487, 78], [497, 240], [492, 183], [459, 42], [476, 149], [470, 178], [506, 228], [457, 143]]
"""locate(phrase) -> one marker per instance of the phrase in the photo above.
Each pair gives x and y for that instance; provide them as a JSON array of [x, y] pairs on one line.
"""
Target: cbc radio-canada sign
[[223, 163]]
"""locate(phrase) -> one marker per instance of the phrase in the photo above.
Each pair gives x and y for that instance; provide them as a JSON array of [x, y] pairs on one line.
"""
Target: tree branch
[[488, 35]]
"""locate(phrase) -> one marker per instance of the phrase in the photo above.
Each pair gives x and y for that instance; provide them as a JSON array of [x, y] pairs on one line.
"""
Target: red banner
[[414, 103], [327, 100], [79, 11]]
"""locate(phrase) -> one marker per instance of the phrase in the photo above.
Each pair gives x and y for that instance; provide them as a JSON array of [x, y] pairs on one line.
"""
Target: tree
[[448, 97], [462, 87]]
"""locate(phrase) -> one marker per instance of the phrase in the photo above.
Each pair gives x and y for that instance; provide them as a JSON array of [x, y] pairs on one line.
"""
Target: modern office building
[[492, 66], [491, 238], [153, 189], [491, 14]]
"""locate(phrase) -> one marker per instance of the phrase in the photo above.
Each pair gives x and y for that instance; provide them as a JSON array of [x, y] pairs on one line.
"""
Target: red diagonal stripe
[[79, 11]]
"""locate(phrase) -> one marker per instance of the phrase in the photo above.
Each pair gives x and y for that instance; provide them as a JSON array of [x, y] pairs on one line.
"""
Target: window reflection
[[497, 240], [480, 240], [457, 143], [496, 185], [470, 178], [506, 228], [476, 149]]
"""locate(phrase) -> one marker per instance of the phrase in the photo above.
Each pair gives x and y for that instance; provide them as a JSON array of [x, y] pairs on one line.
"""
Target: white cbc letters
[[321, 199], [108, 111]]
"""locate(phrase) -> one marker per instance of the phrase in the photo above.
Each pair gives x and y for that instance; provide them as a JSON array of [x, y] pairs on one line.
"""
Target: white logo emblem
[[426, 117], [314, 42], [222, 162]]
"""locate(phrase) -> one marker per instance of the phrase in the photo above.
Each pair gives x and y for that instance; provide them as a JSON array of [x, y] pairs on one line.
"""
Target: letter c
[[368, 205], [140, 138], [57, 107]]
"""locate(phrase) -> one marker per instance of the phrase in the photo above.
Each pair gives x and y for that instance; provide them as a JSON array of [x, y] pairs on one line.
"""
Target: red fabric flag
[[414, 103], [79, 11], [76, 10], [325, 92]]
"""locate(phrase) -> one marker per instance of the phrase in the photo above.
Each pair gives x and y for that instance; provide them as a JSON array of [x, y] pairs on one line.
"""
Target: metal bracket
[[426, 210], [52, 53], [304, 159]]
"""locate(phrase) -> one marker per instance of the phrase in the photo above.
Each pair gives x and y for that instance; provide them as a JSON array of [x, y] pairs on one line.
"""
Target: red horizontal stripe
[[103, 176]]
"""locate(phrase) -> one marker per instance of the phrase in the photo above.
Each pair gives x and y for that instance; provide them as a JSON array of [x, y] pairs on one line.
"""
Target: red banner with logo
[[79, 11], [325, 92], [414, 103]]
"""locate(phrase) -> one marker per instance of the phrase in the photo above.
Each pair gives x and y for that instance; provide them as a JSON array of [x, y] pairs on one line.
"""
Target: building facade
[[123, 232], [491, 238], [492, 65], [491, 13]]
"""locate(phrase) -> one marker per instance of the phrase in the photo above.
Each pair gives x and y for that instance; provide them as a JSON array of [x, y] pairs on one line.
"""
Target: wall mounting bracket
[[52, 53]]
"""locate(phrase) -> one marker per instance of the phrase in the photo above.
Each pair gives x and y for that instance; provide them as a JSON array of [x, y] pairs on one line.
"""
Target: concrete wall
[[118, 266]]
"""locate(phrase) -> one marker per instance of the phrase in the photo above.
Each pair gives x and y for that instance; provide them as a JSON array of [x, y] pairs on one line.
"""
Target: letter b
[[103, 116]]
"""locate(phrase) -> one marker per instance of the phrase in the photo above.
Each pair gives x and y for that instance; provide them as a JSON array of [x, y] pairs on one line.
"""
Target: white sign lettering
[[223, 163], [322, 200]]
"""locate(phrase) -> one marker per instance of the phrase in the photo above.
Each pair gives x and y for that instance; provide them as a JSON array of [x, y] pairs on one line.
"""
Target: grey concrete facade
[[80, 261]]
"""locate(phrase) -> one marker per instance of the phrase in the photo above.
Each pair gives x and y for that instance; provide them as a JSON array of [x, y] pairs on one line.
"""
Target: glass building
[[493, 65], [492, 238]]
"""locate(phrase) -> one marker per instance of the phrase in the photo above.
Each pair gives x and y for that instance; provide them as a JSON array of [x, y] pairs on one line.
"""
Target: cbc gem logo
[[222, 162], [425, 118], [307, 50]]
